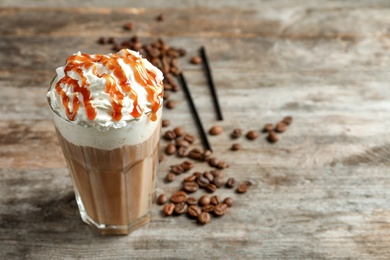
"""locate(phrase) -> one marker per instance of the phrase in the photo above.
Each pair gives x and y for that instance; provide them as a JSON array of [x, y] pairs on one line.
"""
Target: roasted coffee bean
[[161, 17], [252, 135], [197, 174], [202, 181], [235, 147], [196, 60], [191, 201], [204, 200], [162, 199], [209, 176], [178, 197], [170, 149], [216, 199], [177, 169], [111, 40], [230, 183], [190, 186], [190, 178], [195, 154], [194, 211], [208, 208], [280, 127], [170, 177], [182, 52], [204, 218], [168, 209], [228, 201], [102, 40], [189, 138], [182, 152], [272, 137], [179, 131], [216, 130], [288, 120], [128, 26], [170, 104], [213, 162], [187, 165], [220, 209], [222, 165], [165, 122], [268, 128], [211, 188], [219, 181], [169, 135], [242, 187], [182, 143], [180, 208], [236, 133], [216, 173]]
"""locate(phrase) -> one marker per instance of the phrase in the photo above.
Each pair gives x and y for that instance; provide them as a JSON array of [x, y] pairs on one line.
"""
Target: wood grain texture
[[321, 192]]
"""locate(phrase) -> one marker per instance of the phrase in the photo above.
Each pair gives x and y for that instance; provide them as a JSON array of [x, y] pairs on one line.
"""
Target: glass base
[[111, 229], [116, 230]]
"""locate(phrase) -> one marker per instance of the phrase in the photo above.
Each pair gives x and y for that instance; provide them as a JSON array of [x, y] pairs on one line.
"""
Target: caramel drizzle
[[143, 76]]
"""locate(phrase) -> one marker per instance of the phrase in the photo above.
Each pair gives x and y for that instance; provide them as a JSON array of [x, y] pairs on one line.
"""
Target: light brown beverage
[[114, 188]]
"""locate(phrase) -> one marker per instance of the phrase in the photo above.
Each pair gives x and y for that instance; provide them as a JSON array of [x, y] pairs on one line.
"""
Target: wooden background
[[321, 192]]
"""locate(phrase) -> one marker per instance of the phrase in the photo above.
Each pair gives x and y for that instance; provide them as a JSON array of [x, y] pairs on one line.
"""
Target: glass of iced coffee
[[107, 115]]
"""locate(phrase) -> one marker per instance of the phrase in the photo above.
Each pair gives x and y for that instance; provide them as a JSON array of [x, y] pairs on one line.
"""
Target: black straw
[[203, 134], [211, 83]]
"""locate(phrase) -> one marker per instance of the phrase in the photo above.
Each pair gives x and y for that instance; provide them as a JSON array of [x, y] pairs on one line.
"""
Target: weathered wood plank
[[319, 193]]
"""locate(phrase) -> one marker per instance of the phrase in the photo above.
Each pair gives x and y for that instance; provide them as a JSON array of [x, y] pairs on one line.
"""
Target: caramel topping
[[115, 88]]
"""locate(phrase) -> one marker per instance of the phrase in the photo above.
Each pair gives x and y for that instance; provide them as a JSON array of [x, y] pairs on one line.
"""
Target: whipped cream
[[106, 91]]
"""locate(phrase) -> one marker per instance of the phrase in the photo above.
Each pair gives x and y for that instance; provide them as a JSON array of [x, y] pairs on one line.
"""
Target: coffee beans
[[230, 183], [168, 209], [215, 200], [242, 187], [180, 208], [228, 201], [170, 177], [190, 186], [170, 104], [235, 147], [252, 135], [272, 137], [191, 201], [216, 130], [204, 200], [237, 132], [268, 128], [220, 209], [170, 149], [178, 197], [211, 188], [162, 199], [280, 127], [204, 218], [194, 211], [165, 122], [196, 60]]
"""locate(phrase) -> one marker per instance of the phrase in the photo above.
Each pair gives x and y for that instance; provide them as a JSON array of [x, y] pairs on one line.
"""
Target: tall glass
[[113, 172]]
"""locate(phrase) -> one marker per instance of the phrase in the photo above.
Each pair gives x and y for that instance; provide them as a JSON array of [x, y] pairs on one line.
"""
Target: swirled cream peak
[[106, 91]]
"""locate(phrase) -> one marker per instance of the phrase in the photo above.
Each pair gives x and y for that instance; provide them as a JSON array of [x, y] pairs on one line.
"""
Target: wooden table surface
[[321, 192]]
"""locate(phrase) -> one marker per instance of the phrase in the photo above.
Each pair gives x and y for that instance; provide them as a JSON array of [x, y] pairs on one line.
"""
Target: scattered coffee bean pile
[[206, 206]]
